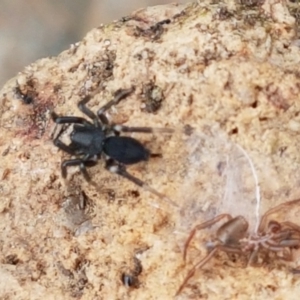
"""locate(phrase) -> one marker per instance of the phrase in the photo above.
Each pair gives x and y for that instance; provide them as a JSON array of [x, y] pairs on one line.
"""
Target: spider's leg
[[82, 106], [69, 119], [121, 128], [204, 260], [292, 225], [68, 163], [83, 163], [88, 161], [281, 206], [253, 257], [202, 226], [199, 265], [119, 95], [59, 144], [121, 170]]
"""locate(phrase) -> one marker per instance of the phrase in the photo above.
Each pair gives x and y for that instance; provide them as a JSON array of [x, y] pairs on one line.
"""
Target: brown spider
[[233, 237]]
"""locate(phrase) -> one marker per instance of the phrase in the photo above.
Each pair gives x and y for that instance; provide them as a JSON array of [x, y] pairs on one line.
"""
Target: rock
[[226, 78]]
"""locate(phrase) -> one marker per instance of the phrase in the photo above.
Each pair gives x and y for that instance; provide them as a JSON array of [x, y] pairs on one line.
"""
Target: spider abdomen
[[125, 150]]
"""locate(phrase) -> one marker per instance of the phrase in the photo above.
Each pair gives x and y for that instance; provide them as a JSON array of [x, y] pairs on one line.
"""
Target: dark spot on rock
[[152, 97], [153, 32], [234, 131], [133, 193], [223, 14], [101, 70], [12, 259], [26, 92], [188, 130], [254, 104]]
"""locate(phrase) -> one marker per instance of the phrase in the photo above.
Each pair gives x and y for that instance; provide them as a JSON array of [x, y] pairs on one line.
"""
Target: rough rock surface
[[226, 77]]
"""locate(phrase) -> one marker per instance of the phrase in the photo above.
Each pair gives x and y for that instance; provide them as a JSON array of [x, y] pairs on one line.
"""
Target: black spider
[[92, 140]]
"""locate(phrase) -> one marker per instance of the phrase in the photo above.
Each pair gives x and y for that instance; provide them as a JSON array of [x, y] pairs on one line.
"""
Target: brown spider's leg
[[291, 225], [202, 226], [273, 210], [278, 231], [119, 95], [277, 247], [121, 128], [231, 249], [281, 245], [282, 240], [290, 243], [286, 234], [121, 170], [197, 266], [287, 255], [252, 261]]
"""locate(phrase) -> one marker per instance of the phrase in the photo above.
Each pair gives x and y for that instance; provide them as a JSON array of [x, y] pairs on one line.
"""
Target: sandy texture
[[226, 77]]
